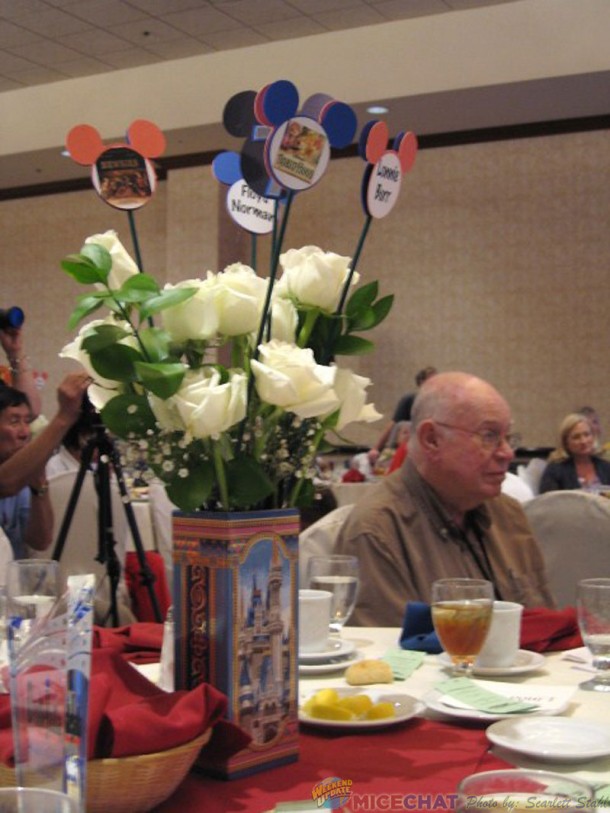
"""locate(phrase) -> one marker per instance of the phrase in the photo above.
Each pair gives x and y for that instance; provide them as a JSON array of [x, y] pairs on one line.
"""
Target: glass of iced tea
[[461, 614], [521, 789]]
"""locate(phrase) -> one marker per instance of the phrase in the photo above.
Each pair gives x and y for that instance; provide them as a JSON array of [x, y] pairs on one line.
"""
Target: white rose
[[240, 296], [123, 266], [288, 377], [203, 407], [284, 320], [314, 277], [197, 318], [351, 390]]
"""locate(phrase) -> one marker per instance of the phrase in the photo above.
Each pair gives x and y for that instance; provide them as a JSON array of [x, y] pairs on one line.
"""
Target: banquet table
[[414, 765]]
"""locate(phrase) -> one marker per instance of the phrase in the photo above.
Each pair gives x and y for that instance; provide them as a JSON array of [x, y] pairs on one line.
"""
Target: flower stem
[[308, 325], [221, 477]]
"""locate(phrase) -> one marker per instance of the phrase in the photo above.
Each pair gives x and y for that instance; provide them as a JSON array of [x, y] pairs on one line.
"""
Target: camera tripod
[[107, 460]]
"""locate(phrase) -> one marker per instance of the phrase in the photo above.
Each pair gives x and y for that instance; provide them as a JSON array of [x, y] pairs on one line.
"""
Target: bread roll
[[369, 671]]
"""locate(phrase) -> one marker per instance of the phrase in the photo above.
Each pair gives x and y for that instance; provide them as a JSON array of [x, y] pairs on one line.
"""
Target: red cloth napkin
[[353, 476], [545, 630], [138, 592], [140, 643]]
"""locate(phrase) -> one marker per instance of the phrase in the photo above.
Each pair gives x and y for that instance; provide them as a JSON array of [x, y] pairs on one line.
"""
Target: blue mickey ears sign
[[121, 173], [383, 177]]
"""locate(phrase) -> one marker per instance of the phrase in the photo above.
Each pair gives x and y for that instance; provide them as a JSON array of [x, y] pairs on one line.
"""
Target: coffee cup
[[314, 620], [502, 642]]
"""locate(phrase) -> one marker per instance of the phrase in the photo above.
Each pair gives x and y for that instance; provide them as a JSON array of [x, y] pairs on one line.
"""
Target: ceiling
[[448, 66], [44, 41]]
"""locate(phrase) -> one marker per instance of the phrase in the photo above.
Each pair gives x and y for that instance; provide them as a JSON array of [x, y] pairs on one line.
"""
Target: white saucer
[[337, 648], [525, 661], [558, 739], [334, 665], [406, 707]]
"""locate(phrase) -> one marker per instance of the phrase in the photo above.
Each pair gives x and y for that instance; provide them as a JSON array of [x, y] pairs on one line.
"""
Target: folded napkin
[[129, 715], [353, 476], [418, 630], [545, 630], [140, 642]]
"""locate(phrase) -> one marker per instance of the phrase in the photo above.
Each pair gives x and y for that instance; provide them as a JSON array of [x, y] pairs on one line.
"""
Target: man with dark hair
[[26, 515]]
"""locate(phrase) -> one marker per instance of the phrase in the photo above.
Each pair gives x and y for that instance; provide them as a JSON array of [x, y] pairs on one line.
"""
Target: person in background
[[27, 459], [18, 373], [401, 413], [603, 449], [575, 463], [442, 514]]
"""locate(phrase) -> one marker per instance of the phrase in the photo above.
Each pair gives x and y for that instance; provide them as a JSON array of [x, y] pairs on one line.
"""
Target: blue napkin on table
[[418, 630]]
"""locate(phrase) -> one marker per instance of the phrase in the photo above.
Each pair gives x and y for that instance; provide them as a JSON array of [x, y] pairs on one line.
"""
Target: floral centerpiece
[[234, 393]]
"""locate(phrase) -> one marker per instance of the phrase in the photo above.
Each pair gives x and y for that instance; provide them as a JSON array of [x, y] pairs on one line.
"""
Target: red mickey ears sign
[[383, 176], [121, 173]]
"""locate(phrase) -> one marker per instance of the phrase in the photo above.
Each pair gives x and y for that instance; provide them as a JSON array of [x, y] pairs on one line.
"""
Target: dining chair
[[6, 556], [320, 537], [573, 530], [80, 551]]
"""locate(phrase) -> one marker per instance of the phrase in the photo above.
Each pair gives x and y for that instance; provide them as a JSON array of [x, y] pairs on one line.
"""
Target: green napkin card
[[403, 662], [470, 694]]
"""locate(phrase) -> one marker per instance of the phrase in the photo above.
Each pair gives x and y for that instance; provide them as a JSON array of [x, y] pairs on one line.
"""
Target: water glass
[[593, 603], [520, 789], [36, 800], [32, 587], [461, 614], [338, 575]]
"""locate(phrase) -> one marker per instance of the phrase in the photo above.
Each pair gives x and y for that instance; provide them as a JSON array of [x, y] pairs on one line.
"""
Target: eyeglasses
[[490, 439]]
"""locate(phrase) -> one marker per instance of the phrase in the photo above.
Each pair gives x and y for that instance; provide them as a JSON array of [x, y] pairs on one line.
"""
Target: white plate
[[559, 739], [334, 665], [552, 700], [337, 648], [405, 705], [524, 662]]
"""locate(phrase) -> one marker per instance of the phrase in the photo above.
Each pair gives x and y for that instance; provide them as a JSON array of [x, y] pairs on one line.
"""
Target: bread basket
[[133, 784]]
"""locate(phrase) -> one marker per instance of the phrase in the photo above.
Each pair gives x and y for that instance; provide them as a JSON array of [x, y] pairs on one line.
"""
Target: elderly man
[[442, 514]]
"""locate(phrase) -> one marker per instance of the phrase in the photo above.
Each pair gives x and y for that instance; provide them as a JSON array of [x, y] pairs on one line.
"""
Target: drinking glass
[[36, 800], [593, 604], [340, 576], [32, 586], [461, 614], [520, 789]]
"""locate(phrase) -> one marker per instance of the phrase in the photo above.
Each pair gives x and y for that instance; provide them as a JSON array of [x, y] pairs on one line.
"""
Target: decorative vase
[[236, 611]]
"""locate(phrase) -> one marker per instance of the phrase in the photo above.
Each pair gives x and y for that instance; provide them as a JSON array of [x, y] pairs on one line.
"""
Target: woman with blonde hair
[[575, 464]]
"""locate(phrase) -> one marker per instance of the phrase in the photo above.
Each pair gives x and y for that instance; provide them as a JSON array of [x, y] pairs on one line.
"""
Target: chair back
[[80, 551], [320, 538], [6, 556], [573, 530]]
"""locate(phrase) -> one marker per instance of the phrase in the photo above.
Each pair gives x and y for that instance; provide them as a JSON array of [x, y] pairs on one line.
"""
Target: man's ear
[[427, 436]]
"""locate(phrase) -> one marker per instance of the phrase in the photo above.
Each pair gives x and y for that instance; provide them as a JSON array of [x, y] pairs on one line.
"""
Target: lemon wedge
[[380, 711]]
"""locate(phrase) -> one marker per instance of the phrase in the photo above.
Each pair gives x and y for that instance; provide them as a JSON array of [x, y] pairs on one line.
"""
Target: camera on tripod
[[11, 318]]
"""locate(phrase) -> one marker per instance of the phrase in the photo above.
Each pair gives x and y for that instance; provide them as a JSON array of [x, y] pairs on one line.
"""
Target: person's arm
[[21, 373], [24, 467], [39, 529]]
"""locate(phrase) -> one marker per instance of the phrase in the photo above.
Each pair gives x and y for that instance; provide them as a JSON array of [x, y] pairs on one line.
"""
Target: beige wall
[[497, 254]]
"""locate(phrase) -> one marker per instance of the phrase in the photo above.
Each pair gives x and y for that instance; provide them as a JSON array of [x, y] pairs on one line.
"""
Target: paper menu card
[[503, 698]]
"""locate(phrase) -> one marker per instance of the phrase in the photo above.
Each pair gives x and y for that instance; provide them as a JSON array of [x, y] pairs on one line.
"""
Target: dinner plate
[[524, 662], [551, 704], [406, 707], [334, 665], [559, 739], [337, 648]]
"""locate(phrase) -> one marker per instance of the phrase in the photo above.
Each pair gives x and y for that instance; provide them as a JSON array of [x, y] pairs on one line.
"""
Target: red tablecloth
[[422, 760]]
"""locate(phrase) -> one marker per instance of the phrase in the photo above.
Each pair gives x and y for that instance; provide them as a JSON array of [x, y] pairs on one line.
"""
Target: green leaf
[[156, 342], [306, 495], [247, 482], [166, 299], [382, 307], [116, 362], [190, 492], [353, 346], [85, 270], [364, 320], [99, 256], [103, 336], [163, 380], [86, 305], [138, 288], [129, 414], [361, 299]]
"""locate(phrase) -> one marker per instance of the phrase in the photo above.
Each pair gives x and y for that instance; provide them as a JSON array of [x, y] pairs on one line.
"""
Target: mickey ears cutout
[[373, 144], [85, 144]]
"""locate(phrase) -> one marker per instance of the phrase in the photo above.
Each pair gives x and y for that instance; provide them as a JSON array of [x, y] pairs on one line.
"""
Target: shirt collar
[[435, 510]]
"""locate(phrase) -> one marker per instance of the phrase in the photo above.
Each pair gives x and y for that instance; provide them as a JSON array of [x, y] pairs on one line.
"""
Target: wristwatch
[[39, 492]]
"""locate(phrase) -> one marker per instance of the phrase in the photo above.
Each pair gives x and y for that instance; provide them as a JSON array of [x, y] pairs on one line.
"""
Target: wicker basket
[[133, 784]]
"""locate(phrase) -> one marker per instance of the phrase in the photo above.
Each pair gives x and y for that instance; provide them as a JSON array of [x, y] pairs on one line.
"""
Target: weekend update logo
[[332, 792]]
